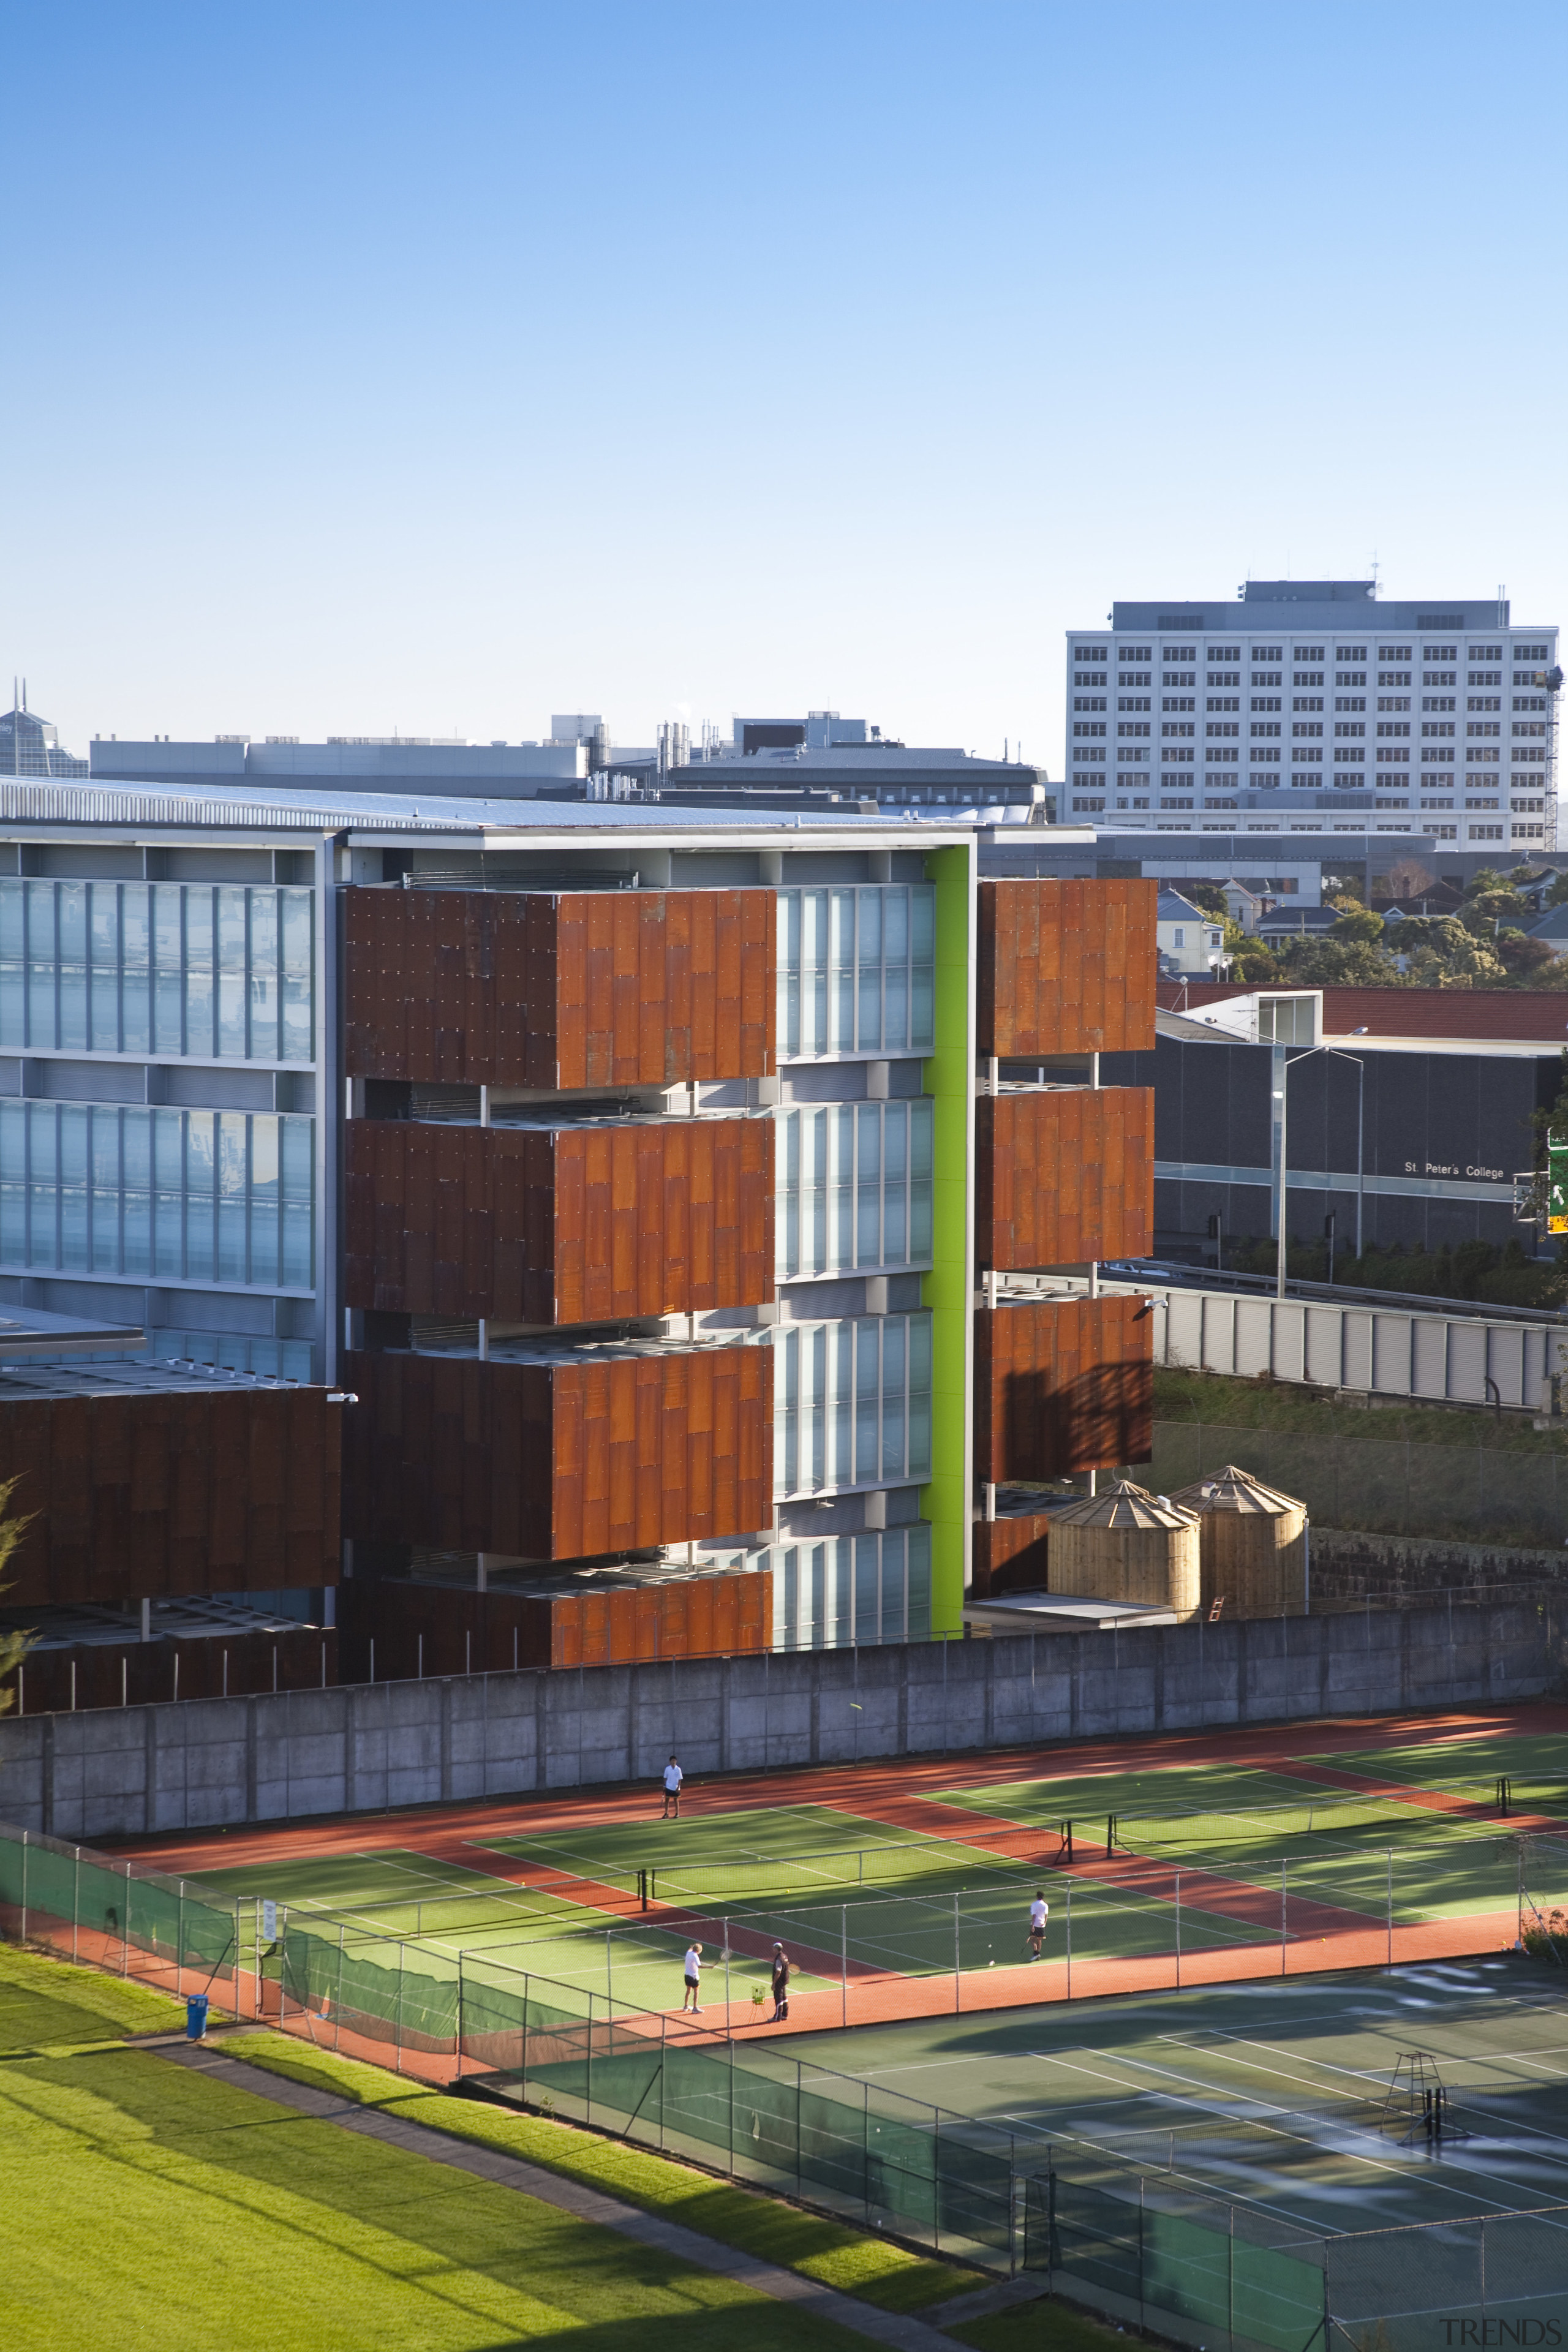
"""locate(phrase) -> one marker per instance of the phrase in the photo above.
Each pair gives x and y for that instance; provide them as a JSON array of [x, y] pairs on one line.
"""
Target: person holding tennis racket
[[1039, 1913]]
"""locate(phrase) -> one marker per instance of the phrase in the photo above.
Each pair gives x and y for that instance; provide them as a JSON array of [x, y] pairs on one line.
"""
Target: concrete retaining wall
[[132, 1770], [1347, 1564]]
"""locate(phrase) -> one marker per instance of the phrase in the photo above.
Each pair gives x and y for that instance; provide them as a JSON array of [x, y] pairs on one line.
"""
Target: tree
[[1362, 924], [1487, 878], [1530, 963], [1255, 963], [1443, 952], [1339, 963], [1559, 891], [1208, 896], [1487, 908], [14, 1647]]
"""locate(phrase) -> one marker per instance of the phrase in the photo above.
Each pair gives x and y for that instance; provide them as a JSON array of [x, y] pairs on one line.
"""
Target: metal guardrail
[[1155, 1273]]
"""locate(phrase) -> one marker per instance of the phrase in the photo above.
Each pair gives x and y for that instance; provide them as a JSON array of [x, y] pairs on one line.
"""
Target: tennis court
[[891, 1905]]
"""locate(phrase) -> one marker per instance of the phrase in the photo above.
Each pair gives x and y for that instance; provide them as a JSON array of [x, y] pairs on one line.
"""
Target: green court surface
[[1536, 1769], [1207, 1858], [1267, 2095], [1210, 1811], [793, 1850]]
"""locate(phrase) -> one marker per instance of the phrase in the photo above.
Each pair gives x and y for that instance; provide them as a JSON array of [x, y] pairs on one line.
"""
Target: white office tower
[[1311, 707]]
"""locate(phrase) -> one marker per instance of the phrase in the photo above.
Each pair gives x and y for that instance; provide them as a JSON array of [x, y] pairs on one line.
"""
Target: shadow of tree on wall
[[1090, 1421]]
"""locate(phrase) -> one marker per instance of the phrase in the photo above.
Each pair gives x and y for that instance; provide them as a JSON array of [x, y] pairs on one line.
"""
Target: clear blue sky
[[437, 367]]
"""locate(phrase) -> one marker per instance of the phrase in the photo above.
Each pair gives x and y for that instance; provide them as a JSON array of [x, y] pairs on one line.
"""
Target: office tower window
[[1483, 678], [1350, 702], [1439, 653], [1224, 677], [1132, 702], [1438, 678], [1088, 702], [1135, 653], [1397, 654], [1307, 677]]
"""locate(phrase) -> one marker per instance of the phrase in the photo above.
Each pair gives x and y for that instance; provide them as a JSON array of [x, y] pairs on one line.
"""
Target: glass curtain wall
[[857, 970], [855, 1589], [852, 1402], [854, 1187], [168, 970], [185, 1195]]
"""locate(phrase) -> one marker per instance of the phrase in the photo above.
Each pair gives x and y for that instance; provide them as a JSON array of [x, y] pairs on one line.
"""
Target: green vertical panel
[[948, 1288]]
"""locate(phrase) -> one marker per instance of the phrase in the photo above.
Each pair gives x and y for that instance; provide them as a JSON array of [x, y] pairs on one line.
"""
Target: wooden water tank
[[1125, 1544], [1253, 1545]]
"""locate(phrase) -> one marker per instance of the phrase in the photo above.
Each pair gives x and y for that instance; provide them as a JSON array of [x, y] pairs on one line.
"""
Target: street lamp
[[1282, 1179]]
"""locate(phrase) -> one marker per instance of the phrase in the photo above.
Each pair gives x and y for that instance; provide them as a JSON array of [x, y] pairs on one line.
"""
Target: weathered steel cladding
[[1062, 1386], [207, 1666], [1064, 1177], [563, 1461], [565, 1226], [1066, 967], [589, 988], [170, 1493], [467, 1631], [1010, 1555]]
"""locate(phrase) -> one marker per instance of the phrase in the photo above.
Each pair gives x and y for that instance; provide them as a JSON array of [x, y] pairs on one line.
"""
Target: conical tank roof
[[1231, 1489], [1124, 1505]]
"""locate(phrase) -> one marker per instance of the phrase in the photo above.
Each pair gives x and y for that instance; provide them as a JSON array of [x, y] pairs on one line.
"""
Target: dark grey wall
[[1426, 1114]]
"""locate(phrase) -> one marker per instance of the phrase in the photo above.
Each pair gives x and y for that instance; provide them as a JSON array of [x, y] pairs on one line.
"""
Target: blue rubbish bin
[[196, 2017]]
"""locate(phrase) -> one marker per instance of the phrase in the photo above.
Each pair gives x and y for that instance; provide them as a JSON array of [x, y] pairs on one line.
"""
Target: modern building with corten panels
[[703, 1208]]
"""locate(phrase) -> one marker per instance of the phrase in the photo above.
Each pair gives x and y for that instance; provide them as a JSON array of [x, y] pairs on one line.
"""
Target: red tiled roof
[[1510, 1015]]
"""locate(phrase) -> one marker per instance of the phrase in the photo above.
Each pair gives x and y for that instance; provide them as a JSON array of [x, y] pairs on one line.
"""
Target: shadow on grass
[[343, 2184]]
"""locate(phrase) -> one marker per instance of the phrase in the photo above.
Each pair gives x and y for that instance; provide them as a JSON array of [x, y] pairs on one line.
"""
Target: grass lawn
[[1181, 1395], [146, 2205], [764, 2226]]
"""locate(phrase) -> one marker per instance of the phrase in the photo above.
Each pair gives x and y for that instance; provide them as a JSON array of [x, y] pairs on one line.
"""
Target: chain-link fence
[[1266, 1900], [1471, 1493], [1152, 2253], [1139, 2246]]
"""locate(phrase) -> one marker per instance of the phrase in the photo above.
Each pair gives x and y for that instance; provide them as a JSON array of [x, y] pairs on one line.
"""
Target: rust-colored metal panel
[[583, 988], [568, 1225], [1066, 967], [1064, 1177], [1010, 1555], [453, 1630], [172, 1493], [216, 1665], [561, 1461], [1063, 1386]]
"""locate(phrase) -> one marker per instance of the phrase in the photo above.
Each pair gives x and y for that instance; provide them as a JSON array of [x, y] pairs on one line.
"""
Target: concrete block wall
[[129, 1772]]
